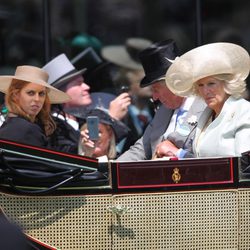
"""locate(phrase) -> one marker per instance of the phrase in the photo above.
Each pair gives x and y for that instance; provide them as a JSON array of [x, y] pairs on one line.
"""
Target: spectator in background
[[216, 72], [127, 79], [3, 109], [28, 99], [99, 74]]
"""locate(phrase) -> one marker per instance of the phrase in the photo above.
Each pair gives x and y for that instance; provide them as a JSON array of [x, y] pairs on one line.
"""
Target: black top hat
[[155, 61], [98, 74], [88, 58]]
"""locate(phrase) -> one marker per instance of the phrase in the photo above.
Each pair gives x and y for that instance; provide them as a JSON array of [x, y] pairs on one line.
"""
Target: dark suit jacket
[[23, 131], [65, 137]]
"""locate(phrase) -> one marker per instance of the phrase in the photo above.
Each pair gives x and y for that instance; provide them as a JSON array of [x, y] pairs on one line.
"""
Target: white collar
[[71, 122]]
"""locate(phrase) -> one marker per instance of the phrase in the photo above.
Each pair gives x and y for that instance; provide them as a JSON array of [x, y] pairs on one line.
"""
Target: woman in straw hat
[[28, 99], [217, 73]]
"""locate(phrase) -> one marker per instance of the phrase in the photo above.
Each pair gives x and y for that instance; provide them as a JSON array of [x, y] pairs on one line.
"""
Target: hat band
[[60, 78]]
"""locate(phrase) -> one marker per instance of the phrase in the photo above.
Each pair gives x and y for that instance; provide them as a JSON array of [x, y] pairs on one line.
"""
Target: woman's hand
[[88, 146]]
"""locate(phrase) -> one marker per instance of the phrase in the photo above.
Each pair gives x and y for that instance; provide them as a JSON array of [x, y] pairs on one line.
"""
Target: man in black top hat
[[172, 129]]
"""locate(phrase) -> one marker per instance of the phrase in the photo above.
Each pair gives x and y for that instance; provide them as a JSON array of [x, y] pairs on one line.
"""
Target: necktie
[[179, 117]]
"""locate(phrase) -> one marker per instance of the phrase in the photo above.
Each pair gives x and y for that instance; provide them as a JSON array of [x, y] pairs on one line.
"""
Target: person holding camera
[[64, 76], [100, 133], [127, 79]]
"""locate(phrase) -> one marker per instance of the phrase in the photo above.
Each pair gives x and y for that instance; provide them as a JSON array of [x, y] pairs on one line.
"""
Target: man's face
[[78, 90], [165, 96]]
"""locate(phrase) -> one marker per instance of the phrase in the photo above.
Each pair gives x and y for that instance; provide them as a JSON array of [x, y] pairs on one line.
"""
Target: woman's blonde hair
[[233, 86], [43, 116], [111, 154]]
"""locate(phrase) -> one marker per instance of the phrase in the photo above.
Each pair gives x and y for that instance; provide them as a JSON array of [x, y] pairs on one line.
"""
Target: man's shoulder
[[163, 109], [161, 118]]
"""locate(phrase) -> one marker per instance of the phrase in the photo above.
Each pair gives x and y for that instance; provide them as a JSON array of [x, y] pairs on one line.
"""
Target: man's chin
[[86, 102]]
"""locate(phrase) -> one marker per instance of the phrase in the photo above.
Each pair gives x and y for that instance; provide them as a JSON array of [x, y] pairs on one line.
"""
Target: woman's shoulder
[[20, 125], [21, 130], [241, 104], [241, 107], [238, 101]]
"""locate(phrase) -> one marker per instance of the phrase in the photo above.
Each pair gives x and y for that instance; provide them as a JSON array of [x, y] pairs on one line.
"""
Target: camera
[[93, 127]]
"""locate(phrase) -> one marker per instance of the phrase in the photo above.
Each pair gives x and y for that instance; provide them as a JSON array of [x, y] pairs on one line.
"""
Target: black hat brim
[[120, 129], [151, 78]]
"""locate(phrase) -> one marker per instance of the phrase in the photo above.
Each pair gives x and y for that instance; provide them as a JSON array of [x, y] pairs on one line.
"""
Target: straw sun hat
[[31, 74], [207, 60]]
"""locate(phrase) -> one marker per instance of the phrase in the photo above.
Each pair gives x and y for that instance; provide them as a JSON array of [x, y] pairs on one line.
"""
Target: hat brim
[[207, 60], [150, 79], [119, 56], [66, 79], [120, 129], [55, 96]]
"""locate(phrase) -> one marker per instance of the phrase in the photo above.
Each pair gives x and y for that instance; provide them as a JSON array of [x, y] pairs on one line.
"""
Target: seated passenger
[[171, 131], [111, 131], [70, 80], [28, 100], [217, 73]]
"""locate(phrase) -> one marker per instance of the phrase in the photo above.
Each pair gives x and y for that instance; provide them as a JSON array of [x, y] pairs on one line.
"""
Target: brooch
[[192, 120]]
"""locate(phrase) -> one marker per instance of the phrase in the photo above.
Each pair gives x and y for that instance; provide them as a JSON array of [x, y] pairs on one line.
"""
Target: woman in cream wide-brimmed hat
[[217, 73], [28, 99]]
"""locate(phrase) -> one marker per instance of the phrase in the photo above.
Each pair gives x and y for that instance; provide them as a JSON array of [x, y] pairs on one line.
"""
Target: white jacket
[[228, 134]]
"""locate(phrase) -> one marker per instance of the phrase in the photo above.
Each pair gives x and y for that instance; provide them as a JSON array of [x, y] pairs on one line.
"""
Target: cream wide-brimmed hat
[[207, 60], [32, 74]]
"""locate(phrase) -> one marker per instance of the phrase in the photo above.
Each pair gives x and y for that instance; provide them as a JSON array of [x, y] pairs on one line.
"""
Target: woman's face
[[31, 99], [212, 91], [102, 145]]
